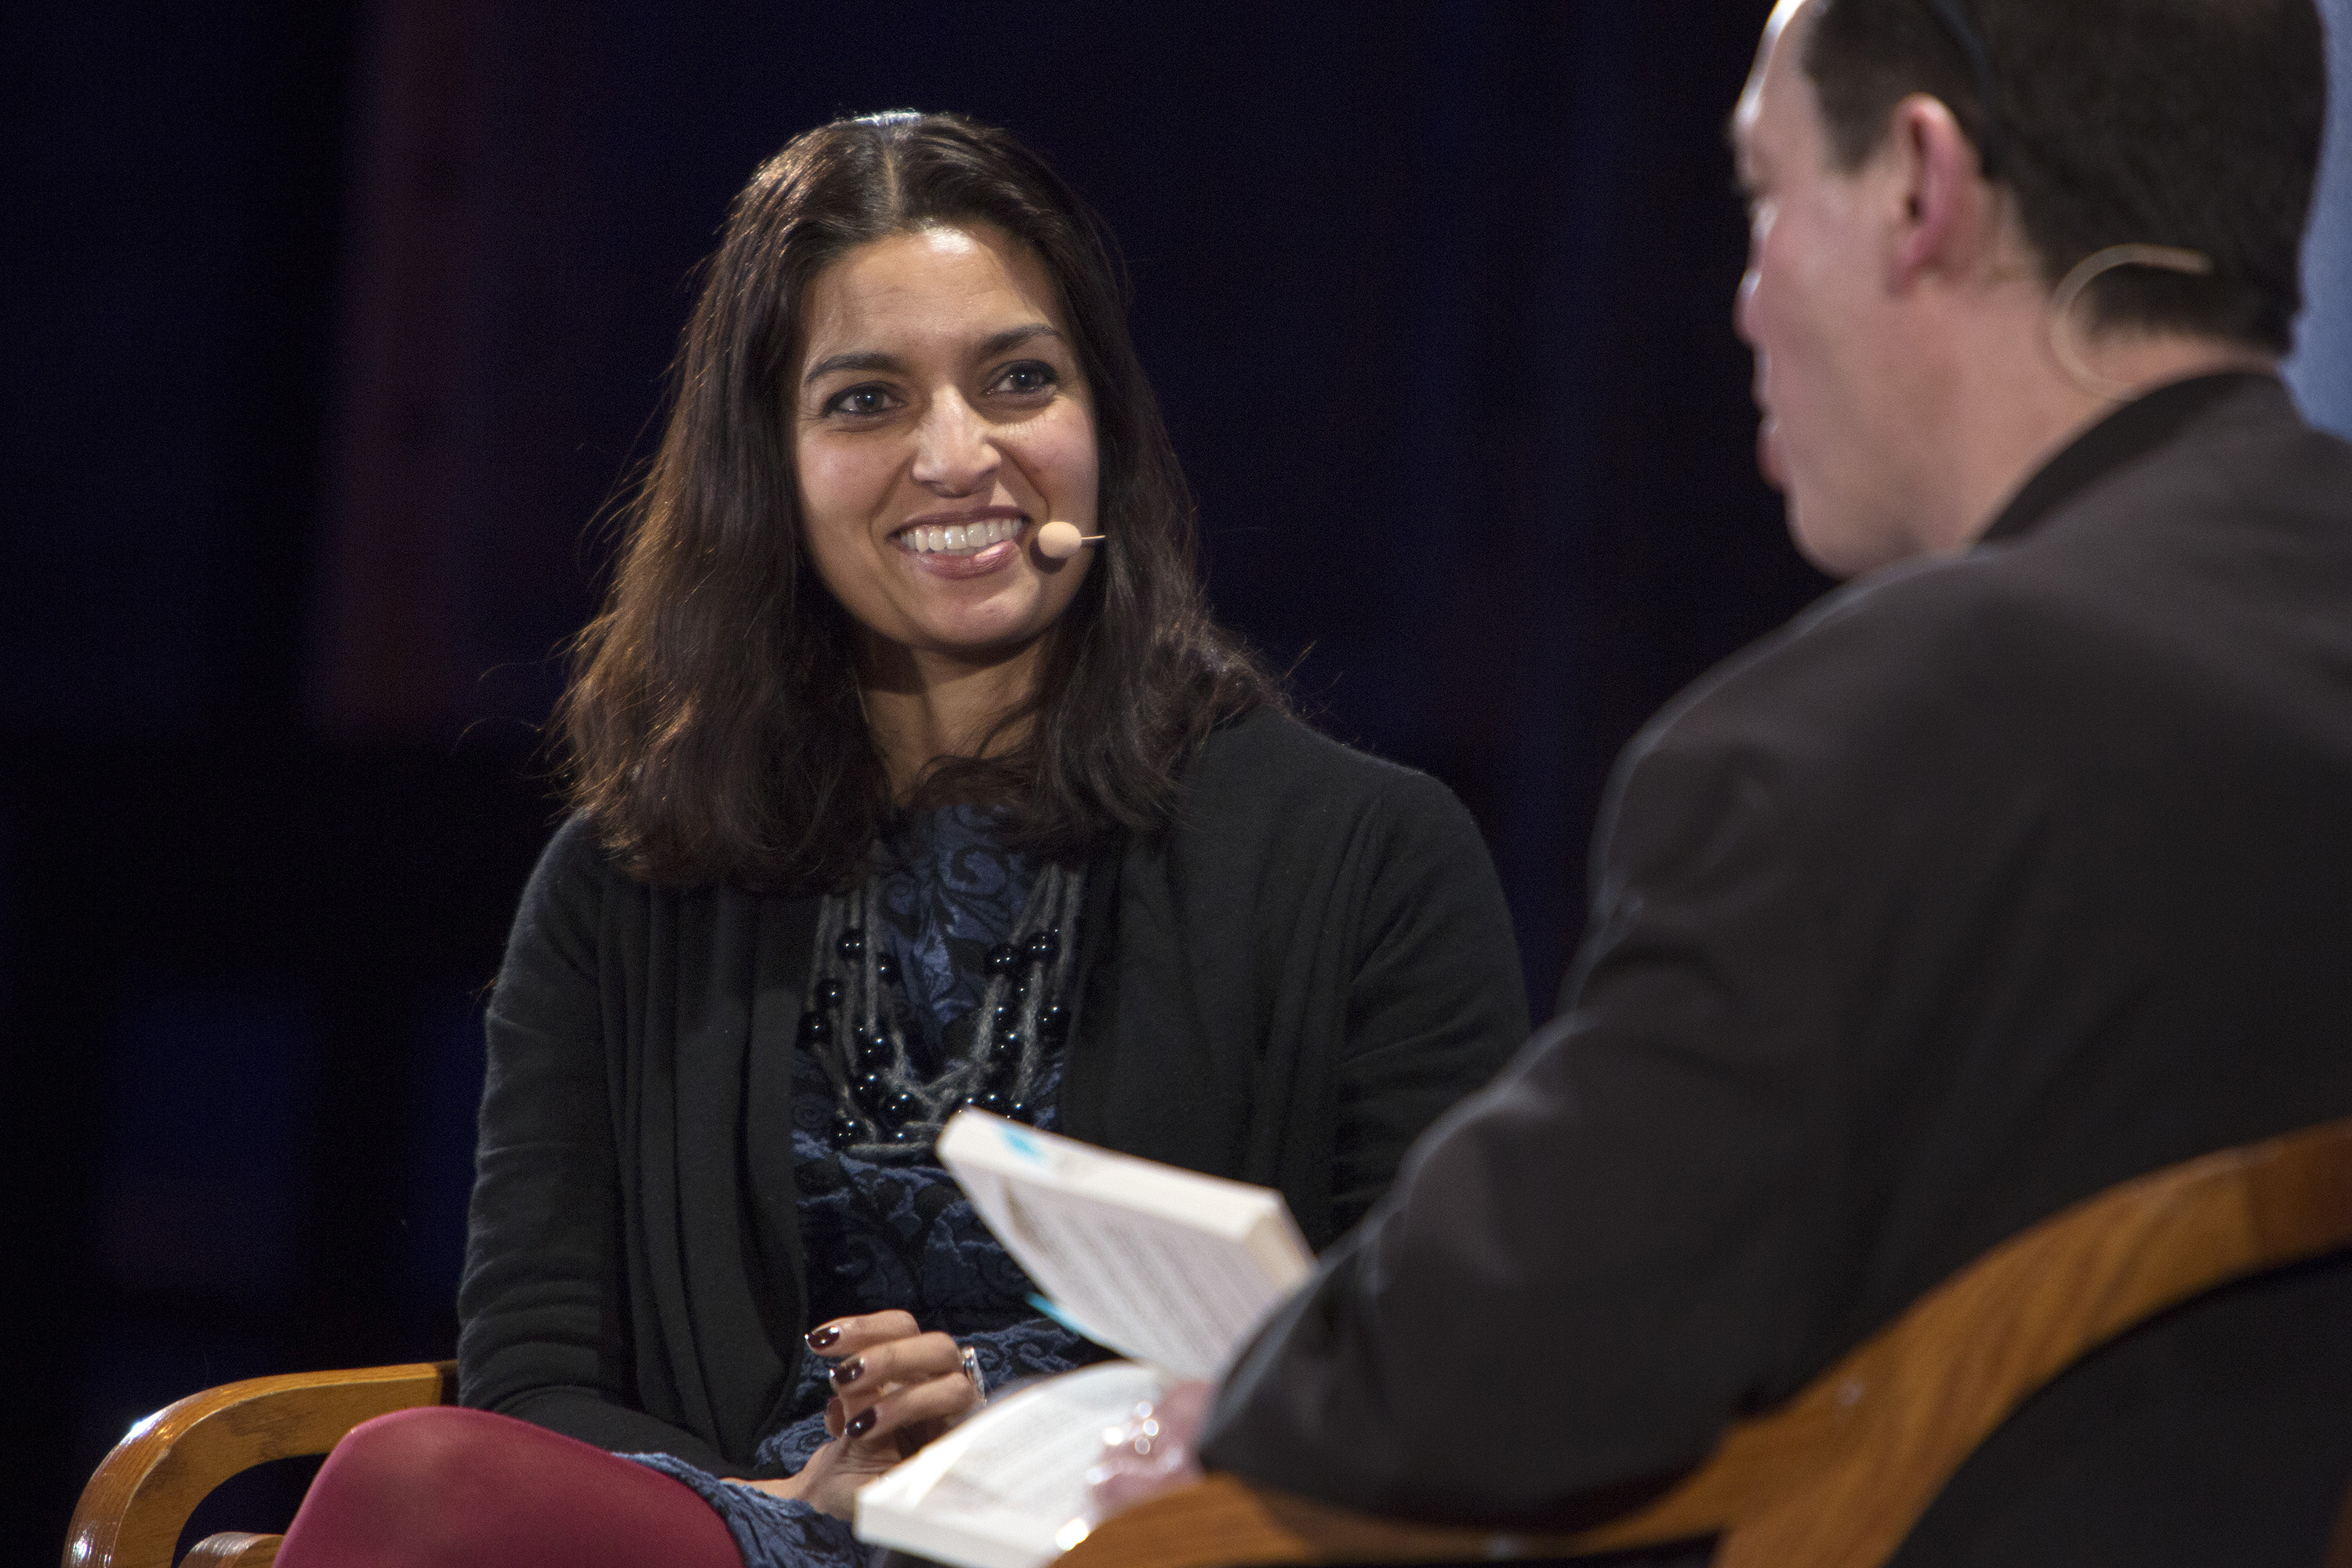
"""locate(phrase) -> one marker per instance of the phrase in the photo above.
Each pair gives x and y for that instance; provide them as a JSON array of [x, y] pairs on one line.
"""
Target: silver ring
[[972, 1370]]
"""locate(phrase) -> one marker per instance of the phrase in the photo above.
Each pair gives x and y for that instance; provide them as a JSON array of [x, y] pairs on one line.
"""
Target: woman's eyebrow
[[871, 359], [867, 360], [1013, 337]]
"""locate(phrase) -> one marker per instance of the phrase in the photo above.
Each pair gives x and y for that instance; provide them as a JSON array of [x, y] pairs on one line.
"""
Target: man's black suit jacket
[[1992, 881]]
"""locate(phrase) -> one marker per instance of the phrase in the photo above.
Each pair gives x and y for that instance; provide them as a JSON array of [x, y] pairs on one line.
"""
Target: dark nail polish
[[849, 1372], [819, 1338], [861, 1425]]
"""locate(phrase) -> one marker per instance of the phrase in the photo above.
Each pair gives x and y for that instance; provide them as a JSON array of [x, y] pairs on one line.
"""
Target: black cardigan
[[1285, 988]]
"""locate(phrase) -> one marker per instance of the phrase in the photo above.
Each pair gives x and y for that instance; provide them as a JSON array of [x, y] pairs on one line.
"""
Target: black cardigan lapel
[[785, 926]]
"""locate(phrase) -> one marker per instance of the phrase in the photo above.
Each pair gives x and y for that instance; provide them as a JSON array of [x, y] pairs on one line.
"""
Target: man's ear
[[1942, 224]]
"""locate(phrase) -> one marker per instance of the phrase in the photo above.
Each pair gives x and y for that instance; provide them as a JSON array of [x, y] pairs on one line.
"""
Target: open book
[[1168, 1266]]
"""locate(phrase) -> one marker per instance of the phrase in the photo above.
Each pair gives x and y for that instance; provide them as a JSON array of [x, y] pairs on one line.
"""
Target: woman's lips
[[958, 538], [963, 550]]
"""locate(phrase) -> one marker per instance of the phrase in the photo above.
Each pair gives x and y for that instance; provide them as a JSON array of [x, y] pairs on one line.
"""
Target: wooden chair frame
[[1834, 1479], [138, 1502]]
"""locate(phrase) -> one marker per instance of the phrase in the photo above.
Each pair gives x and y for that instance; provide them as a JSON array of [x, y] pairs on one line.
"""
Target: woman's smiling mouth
[[957, 538]]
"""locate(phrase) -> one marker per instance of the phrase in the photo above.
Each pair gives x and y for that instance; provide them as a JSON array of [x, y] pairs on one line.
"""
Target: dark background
[[333, 330]]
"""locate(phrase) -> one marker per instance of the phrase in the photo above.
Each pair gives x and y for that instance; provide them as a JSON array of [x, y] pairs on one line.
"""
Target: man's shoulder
[[1929, 628], [1920, 682], [2220, 561], [2247, 470]]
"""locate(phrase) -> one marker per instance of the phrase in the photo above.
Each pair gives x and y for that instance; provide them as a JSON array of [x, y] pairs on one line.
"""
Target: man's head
[[1924, 171]]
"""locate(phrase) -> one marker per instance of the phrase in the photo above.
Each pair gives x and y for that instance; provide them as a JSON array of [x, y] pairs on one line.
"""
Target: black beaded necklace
[[885, 1109]]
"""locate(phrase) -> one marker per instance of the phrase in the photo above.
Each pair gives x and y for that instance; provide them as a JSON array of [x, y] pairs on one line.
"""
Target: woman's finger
[[847, 1336], [861, 1379], [930, 1404]]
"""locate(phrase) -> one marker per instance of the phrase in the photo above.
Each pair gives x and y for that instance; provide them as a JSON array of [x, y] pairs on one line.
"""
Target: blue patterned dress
[[902, 1236]]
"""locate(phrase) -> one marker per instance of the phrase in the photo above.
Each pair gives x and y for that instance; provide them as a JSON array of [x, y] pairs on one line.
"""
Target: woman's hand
[[895, 1389]]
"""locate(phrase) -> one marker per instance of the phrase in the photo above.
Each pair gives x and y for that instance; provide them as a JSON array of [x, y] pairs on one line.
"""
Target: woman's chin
[[981, 635], [977, 615]]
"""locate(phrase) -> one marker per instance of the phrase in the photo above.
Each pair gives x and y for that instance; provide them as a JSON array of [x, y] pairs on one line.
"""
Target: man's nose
[[955, 452], [1743, 308]]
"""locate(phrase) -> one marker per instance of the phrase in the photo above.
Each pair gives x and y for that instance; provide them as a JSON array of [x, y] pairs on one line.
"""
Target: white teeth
[[958, 539]]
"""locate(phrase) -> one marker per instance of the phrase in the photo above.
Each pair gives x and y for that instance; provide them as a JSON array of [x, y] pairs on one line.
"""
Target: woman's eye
[[860, 402], [1029, 376]]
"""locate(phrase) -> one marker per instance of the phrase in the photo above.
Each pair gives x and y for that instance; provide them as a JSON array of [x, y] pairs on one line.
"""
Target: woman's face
[[939, 421]]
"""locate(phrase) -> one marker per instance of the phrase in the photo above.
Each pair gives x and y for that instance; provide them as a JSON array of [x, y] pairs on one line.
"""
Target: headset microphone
[[1060, 541]]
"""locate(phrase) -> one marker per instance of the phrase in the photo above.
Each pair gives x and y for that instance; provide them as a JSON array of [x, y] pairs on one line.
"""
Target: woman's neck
[[923, 706]]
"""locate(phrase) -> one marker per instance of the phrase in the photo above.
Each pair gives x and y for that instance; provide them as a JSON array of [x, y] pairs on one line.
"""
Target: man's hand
[[895, 1389], [1153, 1452]]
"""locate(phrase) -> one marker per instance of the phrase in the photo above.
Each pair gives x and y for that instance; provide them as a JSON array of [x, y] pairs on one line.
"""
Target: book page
[[1008, 1488], [1151, 1288]]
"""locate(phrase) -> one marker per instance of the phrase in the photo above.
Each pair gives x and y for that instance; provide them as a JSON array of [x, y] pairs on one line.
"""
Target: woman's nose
[[955, 453]]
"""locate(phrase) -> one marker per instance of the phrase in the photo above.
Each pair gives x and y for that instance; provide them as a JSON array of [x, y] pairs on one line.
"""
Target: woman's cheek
[[1075, 469], [837, 477]]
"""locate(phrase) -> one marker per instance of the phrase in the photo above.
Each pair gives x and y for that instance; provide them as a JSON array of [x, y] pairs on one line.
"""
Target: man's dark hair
[[715, 727], [2194, 124]]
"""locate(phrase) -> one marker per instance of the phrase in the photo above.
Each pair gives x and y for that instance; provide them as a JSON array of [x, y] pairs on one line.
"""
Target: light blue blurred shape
[[2321, 368]]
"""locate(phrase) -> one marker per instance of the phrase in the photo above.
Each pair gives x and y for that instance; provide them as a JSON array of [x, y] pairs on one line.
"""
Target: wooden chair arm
[[139, 1500], [233, 1549], [1223, 1520]]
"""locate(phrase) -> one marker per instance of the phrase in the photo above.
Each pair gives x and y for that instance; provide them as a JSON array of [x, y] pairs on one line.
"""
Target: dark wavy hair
[[2183, 123], [713, 727]]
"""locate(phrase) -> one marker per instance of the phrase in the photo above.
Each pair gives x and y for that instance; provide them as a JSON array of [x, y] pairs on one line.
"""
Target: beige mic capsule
[[1060, 541]]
